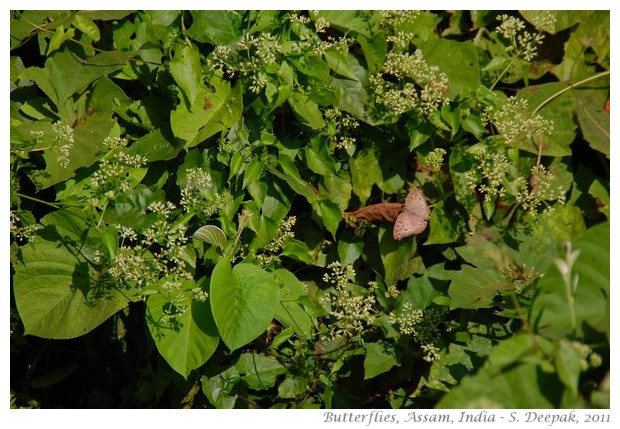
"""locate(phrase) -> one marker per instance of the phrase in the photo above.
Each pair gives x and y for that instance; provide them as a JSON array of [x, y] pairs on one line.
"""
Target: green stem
[[28, 197], [503, 73], [568, 88]]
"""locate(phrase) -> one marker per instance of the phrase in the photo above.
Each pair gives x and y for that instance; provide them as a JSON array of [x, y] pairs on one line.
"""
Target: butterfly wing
[[408, 224], [415, 216], [416, 204]]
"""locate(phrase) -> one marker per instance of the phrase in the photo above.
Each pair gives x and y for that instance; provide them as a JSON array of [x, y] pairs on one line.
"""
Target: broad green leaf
[[511, 351], [290, 175], [327, 214], [218, 27], [591, 34], [353, 98], [525, 384], [65, 74], [86, 26], [365, 173], [258, 371], [306, 111], [375, 50], [337, 188], [551, 311], [318, 159], [191, 338], [243, 300], [474, 287], [211, 234], [221, 389], [444, 227], [568, 364], [398, 257], [252, 172], [186, 71], [157, 145], [349, 249], [298, 250], [292, 387], [58, 295], [130, 208], [107, 95], [593, 119], [365, 23], [214, 111], [340, 63], [312, 65], [420, 293], [380, 357], [25, 23], [458, 60], [59, 37], [600, 192], [560, 110], [289, 311]]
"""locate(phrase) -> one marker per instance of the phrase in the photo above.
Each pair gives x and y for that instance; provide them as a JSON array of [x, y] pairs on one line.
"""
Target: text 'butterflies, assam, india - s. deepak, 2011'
[[414, 217]]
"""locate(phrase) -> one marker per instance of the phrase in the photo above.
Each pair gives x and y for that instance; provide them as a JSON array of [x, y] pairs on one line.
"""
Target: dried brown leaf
[[386, 212]]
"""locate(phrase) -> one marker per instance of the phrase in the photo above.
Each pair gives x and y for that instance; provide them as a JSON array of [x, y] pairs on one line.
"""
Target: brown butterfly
[[415, 216]]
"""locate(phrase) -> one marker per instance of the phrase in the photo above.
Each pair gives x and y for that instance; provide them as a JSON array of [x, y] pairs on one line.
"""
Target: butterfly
[[414, 217]]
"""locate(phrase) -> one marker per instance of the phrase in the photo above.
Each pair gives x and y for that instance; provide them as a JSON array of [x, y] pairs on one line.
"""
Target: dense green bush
[[202, 209]]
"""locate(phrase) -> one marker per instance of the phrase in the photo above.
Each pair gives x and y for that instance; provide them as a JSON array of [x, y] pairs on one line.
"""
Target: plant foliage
[[202, 209]]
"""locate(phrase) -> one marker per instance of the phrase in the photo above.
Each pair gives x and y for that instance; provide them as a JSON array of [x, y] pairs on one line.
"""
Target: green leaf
[[458, 60], [474, 287], [560, 110], [444, 228], [292, 387], [318, 159], [591, 34], [186, 71], [86, 25], [243, 301], [380, 358], [365, 172], [551, 314], [568, 364], [342, 63], [420, 293], [65, 74], [523, 384], [211, 234], [290, 175], [155, 146], [601, 193], [217, 27], [130, 208], [258, 371], [328, 214], [252, 172], [352, 20], [306, 111], [192, 337], [290, 311], [297, 250], [221, 389], [349, 249], [58, 295], [593, 119], [59, 37], [312, 65], [375, 50], [196, 123]]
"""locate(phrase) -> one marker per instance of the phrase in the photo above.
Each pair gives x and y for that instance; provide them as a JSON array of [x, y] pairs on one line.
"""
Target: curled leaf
[[211, 234], [387, 212]]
